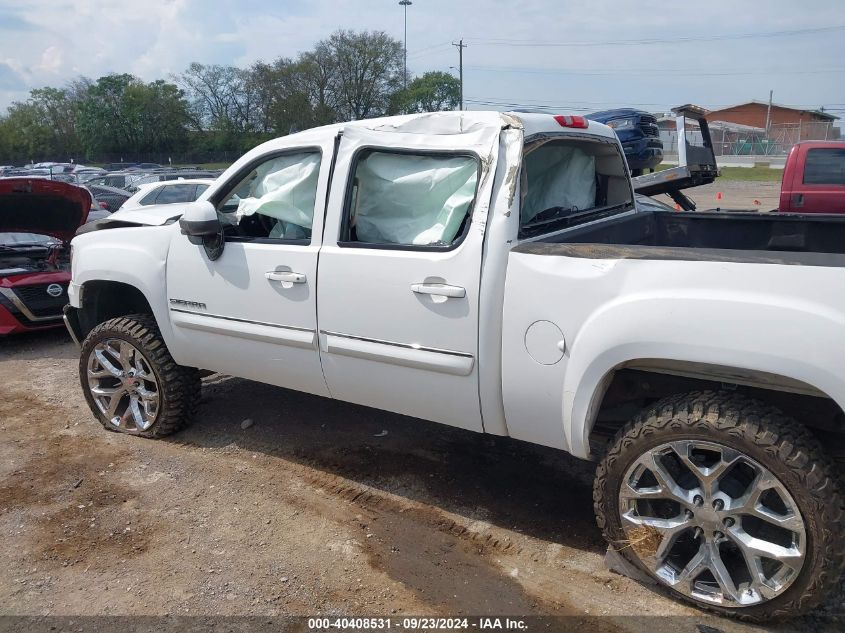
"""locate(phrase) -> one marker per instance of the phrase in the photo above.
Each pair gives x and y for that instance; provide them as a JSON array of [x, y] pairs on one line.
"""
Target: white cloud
[[51, 60], [49, 42]]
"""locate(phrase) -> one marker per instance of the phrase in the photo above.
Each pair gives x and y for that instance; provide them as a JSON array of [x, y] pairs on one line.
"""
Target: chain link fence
[[730, 139]]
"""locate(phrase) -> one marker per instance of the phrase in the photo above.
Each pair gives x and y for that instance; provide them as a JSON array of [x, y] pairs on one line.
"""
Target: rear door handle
[[798, 199], [286, 277], [439, 290]]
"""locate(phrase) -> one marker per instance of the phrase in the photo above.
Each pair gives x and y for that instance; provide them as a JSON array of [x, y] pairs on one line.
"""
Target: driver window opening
[[275, 200], [565, 178]]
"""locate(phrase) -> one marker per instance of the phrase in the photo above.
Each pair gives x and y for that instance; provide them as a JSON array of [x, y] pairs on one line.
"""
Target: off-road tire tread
[[180, 386], [781, 438]]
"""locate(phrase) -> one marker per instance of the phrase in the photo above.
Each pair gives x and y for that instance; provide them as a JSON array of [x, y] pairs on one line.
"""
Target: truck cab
[[814, 178]]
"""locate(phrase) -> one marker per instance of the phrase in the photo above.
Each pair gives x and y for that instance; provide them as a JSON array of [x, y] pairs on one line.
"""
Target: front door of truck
[[400, 269], [821, 186], [253, 312]]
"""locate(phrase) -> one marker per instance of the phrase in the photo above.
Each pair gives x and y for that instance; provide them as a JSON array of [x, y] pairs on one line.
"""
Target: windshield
[[564, 179], [25, 239]]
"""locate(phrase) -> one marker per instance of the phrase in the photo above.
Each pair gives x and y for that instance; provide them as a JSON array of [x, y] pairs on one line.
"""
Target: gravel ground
[[311, 509], [736, 194]]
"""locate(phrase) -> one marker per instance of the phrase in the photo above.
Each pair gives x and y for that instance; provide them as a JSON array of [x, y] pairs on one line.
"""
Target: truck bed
[[729, 237]]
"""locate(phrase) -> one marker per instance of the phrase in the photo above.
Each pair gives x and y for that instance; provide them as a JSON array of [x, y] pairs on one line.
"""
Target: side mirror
[[200, 220], [202, 226]]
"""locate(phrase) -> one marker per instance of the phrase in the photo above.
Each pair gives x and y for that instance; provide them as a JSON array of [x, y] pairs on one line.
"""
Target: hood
[[620, 113], [150, 215], [46, 207]]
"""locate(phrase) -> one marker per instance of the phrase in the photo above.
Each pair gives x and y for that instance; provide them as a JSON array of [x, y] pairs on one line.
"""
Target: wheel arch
[[102, 299], [601, 388]]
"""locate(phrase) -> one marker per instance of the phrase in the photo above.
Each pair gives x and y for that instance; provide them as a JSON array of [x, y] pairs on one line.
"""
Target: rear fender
[[758, 342]]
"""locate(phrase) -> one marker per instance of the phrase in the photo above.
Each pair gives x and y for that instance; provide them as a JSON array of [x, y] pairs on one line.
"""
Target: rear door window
[[825, 166], [409, 199], [150, 198]]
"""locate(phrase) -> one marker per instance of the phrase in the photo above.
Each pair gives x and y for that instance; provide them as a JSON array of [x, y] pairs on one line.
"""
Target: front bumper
[[11, 322], [645, 153]]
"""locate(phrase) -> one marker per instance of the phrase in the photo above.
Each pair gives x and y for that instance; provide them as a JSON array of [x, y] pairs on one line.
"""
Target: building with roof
[[756, 114], [752, 128]]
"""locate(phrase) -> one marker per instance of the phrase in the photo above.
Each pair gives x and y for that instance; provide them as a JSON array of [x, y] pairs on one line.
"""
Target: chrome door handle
[[439, 290], [285, 276]]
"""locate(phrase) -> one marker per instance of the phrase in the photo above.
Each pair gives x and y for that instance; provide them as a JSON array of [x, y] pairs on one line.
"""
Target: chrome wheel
[[712, 523], [123, 385]]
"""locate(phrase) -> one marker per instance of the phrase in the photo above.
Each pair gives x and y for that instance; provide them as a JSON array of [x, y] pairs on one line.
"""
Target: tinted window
[[275, 200], [410, 199], [200, 190], [176, 193], [825, 166]]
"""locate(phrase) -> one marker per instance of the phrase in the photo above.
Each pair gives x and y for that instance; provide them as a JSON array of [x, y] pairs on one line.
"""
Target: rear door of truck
[[814, 181], [399, 271]]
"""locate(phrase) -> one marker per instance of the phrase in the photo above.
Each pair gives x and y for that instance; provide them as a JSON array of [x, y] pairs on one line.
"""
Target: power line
[[712, 106], [592, 105], [651, 41], [597, 72], [419, 52]]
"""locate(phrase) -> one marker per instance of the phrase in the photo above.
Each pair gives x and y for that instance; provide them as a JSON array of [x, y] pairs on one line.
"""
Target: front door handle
[[439, 290], [285, 276], [798, 200]]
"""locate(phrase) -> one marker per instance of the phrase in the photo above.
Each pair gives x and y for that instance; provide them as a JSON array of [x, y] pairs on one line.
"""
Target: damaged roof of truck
[[484, 124], [449, 123]]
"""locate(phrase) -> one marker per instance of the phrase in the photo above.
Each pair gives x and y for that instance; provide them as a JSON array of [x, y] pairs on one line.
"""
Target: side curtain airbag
[[405, 199]]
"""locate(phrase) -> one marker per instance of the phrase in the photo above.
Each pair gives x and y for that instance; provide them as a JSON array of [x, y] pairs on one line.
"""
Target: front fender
[[135, 256], [783, 335]]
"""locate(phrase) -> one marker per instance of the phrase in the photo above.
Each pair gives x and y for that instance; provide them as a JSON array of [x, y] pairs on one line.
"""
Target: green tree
[[122, 114], [433, 92]]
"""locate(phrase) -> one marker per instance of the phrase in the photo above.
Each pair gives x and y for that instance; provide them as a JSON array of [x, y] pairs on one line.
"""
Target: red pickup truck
[[814, 178]]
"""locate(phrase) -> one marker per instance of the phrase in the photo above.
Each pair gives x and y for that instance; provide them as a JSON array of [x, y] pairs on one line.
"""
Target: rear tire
[[131, 382], [793, 501]]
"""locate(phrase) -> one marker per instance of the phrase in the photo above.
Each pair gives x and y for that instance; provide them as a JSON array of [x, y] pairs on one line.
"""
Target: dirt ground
[[736, 194], [313, 509]]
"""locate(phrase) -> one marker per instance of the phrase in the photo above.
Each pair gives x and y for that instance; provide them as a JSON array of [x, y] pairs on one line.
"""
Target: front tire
[[131, 382], [727, 502]]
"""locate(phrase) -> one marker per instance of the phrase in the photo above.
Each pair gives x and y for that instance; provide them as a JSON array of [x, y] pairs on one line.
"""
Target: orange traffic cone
[[718, 195]]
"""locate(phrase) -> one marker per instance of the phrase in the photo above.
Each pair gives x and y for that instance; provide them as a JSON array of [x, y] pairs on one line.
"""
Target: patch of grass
[[749, 174], [758, 174]]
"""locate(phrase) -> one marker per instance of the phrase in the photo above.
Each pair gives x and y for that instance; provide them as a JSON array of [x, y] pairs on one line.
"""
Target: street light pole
[[406, 4]]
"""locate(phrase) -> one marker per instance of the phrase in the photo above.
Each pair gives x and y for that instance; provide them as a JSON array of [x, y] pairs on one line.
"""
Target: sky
[[555, 54]]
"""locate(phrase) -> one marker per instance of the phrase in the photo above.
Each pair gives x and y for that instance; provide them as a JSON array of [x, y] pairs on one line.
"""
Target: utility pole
[[769, 113], [461, 46], [405, 4]]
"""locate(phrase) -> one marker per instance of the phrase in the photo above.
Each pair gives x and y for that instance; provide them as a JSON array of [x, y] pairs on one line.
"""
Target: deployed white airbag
[[404, 199], [559, 176], [285, 188]]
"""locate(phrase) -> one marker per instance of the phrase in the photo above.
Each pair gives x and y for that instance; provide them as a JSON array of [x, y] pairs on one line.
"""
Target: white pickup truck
[[496, 272]]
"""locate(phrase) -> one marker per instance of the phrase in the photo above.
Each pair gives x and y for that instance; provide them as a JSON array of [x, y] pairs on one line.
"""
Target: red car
[[814, 178], [38, 218]]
